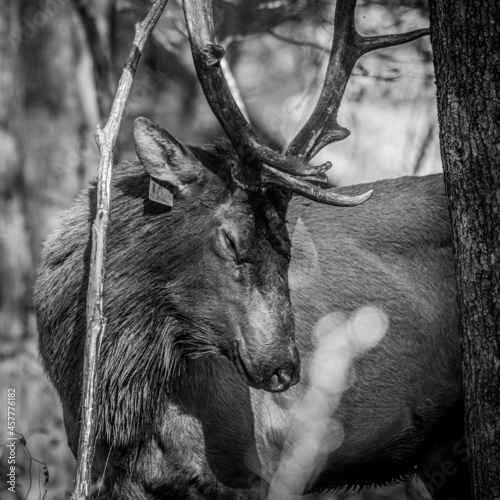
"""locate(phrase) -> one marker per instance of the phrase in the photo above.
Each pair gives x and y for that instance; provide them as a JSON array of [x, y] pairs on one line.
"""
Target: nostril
[[284, 376], [282, 379]]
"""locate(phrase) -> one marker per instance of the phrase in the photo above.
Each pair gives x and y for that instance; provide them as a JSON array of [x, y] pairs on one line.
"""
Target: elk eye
[[229, 243]]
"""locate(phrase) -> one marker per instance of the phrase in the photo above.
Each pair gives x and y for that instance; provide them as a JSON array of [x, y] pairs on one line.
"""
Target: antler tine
[[348, 46], [304, 188]]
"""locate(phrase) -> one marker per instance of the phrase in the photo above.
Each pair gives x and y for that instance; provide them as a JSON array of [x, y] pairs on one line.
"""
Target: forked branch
[[96, 322], [348, 46]]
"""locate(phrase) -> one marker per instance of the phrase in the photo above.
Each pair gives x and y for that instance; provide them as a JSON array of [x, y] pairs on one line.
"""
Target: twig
[[301, 43], [101, 56], [162, 39], [423, 149], [43, 465], [96, 322]]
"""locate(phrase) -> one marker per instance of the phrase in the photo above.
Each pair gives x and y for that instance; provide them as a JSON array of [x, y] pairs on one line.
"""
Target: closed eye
[[231, 245], [231, 249]]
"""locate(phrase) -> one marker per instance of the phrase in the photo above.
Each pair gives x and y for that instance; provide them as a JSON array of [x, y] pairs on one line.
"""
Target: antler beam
[[348, 46]]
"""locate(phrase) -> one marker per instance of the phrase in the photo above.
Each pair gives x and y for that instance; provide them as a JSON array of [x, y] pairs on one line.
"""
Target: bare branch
[[300, 43], [423, 149], [96, 322], [101, 56]]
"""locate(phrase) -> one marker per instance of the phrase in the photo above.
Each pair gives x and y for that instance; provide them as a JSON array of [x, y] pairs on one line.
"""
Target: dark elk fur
[[175, 420]]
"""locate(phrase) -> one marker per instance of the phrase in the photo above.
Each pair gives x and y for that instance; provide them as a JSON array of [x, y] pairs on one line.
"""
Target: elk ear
[[164, 158]]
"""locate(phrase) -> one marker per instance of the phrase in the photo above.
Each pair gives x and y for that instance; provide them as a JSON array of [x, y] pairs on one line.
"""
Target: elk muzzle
[[273, 369]]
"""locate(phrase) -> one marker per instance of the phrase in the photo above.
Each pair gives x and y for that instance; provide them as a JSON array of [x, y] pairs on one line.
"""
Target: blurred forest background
[[276, 50]]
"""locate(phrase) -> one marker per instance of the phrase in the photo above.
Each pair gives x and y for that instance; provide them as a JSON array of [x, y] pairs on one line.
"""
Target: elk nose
[[284, 377], [281, 380]]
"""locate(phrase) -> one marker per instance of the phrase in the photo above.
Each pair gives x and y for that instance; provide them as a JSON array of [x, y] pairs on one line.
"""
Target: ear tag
[[161, 194]]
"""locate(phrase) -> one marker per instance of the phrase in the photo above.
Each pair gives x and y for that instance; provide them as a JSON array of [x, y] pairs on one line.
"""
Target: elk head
[[229, 257], [241, 276]]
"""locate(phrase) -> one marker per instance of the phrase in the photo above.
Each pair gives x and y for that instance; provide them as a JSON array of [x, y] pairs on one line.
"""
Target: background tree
[[466, 44], [15, 251]]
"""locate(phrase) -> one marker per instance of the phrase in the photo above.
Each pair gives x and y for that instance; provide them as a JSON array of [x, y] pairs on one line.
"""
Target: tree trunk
[[15, 254], [466, 43], [61, 112]]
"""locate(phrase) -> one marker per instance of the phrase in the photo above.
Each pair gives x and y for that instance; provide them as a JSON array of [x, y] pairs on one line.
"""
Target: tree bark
[[15, 254], [466, 43]]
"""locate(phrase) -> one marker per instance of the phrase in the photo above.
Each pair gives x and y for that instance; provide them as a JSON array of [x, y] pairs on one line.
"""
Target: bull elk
[[205, 307]]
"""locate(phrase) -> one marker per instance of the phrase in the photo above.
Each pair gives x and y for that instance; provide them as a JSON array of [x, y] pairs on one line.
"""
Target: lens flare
[[314, 431]]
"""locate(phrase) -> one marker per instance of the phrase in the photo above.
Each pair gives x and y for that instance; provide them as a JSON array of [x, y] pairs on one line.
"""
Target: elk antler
[[347, 47], [266, 166]]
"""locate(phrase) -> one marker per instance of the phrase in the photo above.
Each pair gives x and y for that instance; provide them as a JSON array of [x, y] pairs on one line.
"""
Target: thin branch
[[423, 149], [161, 37], [41, 464], [96, 322], [300, 43], [101, 56]]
